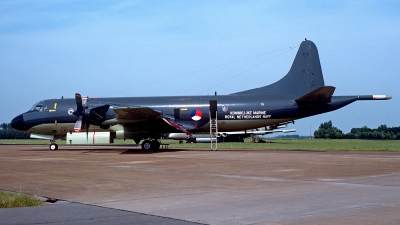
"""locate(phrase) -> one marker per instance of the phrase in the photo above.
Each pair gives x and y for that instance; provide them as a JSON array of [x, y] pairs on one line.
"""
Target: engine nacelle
[[121, 134]]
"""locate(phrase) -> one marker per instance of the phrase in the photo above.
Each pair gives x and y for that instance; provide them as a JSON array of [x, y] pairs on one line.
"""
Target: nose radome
[[18, 123]]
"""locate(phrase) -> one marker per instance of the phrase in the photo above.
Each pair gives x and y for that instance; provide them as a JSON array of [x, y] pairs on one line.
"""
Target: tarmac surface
[[122, 185]]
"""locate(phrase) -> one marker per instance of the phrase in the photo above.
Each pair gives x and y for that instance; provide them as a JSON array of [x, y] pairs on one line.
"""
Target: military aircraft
[[300, 93]]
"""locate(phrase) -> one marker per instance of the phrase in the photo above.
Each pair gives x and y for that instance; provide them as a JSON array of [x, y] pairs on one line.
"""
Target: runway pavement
[[223, 187]]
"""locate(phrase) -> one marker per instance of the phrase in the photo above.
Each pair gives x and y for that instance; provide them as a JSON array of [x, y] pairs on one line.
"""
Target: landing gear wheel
[[156, 144], [53, 146], [147, 145]]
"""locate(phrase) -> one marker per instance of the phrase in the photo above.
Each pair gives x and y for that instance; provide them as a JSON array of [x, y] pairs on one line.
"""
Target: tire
[[156, 144], [147, 145], [53, 146]]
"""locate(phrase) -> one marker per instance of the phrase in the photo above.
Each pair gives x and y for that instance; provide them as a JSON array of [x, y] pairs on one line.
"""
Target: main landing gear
[[150, 145]]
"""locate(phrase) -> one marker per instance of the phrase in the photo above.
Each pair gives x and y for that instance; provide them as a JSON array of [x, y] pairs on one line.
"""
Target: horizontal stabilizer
[[318, 96]]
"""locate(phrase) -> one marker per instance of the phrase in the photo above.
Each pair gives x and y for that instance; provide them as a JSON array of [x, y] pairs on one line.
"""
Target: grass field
[[275, 144], [11, 200], [307, 144]]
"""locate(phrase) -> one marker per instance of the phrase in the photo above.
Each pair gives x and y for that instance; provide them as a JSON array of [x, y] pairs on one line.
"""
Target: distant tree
[[383, 128], [383, 132], [7, 132], [6, 126], [327, 130]]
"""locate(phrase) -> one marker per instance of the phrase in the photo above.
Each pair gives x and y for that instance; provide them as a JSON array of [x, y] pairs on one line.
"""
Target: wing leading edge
[[132, 115]]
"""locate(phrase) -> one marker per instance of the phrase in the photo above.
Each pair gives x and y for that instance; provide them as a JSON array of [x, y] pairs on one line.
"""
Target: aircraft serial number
[[240, 115]]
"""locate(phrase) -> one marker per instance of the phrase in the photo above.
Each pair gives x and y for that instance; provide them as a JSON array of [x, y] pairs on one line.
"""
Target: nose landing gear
[[53, 146]]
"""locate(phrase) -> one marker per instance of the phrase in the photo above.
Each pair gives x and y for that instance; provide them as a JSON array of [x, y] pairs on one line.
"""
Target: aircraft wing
[[133, 115]]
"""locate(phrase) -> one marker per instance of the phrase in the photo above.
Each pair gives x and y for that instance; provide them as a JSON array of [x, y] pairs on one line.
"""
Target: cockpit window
[[37, 107]]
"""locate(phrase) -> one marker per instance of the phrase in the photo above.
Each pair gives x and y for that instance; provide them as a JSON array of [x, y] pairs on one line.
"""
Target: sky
[[50, 49]]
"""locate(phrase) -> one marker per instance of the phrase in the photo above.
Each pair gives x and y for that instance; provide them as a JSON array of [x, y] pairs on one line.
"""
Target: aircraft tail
[[304, 76]]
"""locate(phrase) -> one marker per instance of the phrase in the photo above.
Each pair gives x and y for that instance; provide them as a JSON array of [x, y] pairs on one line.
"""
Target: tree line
[[383, 132], [7, 132]]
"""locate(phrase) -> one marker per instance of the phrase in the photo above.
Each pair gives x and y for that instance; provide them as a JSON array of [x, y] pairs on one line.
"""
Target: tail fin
[[304, 76]]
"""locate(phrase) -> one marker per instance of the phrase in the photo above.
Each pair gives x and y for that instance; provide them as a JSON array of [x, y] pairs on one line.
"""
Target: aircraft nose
[[18, 123]]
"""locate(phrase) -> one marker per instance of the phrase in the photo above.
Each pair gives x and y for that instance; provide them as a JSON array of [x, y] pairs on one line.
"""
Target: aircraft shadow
[[140, 151]]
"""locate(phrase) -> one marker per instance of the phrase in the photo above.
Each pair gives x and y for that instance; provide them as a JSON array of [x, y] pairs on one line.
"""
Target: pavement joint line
[[137, 199], [60, 201], [328, 181], [371, 176], [123, 210], [329, 212]]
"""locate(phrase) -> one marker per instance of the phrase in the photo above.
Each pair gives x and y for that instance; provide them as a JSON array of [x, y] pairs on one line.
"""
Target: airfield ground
[[223, 187]]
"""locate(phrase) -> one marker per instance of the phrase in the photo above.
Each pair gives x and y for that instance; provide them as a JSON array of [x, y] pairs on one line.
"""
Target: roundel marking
[[196, 115], [70, 111]]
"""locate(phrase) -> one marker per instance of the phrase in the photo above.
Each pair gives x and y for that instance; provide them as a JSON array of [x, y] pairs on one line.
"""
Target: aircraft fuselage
[[235, 112]]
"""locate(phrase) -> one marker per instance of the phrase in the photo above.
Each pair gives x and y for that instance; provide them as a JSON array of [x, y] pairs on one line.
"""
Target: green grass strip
[[12, 200], [301, 144]]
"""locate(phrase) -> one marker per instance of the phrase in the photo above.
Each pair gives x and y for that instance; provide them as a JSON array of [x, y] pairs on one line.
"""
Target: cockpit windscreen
[[37, 107]]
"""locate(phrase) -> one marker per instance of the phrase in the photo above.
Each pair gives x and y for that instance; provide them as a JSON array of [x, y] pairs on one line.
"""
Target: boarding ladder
[[214, 132]]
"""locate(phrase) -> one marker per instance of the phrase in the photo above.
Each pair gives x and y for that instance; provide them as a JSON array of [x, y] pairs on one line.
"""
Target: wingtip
[[381, 97]]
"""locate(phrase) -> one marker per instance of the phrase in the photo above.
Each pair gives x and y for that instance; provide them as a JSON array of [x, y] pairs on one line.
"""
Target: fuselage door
[[177, 113]]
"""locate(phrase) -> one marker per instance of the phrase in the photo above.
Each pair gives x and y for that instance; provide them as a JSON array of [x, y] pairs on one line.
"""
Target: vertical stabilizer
[[304, 76]]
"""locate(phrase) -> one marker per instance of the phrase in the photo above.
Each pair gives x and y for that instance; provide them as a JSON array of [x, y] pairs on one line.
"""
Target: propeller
[[86, 116], [80, 112]]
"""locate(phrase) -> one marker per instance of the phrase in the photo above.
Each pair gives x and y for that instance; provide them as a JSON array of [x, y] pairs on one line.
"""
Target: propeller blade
[[78, 124], [79, 106], [98, 114], [80, 112], [84, 100], [87, 132]]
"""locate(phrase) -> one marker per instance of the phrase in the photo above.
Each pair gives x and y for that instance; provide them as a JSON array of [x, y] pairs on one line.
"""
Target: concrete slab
[[223, 187], [75, 213]]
